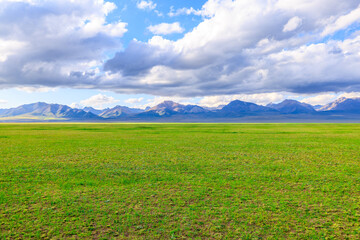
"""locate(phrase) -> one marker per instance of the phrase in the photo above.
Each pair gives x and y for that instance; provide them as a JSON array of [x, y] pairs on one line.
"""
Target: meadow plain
[[173, 181]]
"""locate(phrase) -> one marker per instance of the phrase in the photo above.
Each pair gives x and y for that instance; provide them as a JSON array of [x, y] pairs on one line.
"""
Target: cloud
[[76, 105], [3, 101], [98, 101], [350, 95], [146, 5], [184, 11], [245, 47], [261, 99], [343, 22], [10, 47], [166, 28], [321, 99], [36, 89], [57, 43], [134, 100], [157, 100], [158, 13], [240, 47], [292, 24]]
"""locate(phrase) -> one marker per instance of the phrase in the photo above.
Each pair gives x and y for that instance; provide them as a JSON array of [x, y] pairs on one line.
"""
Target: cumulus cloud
[[157, 100], [166, 28], [240, 47], [246, 47], [183, 11], [342, 22], [36, 89], [320, 99], [76, 105], [146, 5], [350, 95], [9, 47], [98, 101], [134, 100], [55, 43], [261, 99], [292, 24]]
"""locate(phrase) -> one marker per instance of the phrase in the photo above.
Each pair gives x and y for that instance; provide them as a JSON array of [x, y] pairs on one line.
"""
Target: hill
[[119, 111], [289, 106], [44, 111], [348, 105]]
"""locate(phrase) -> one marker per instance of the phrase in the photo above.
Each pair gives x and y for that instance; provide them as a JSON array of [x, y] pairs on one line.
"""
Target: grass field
[[164, 181]]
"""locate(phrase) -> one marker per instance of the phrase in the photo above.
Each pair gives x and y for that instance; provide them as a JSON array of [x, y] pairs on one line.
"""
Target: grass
[[173, 181]]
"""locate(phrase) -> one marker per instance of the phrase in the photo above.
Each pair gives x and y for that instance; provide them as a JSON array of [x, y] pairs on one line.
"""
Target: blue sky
[[141, 52]]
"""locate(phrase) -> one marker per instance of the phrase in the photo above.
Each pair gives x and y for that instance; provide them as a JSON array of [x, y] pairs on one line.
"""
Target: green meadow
[[180, 181]]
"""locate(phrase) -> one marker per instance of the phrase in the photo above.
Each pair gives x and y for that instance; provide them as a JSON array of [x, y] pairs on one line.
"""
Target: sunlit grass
[[152, 181]]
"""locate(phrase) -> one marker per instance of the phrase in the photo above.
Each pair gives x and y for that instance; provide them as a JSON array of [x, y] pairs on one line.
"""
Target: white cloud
[[342, 22], [320, 99], [160, 14], [3, 101], [184, 11], [157, 100], [166, 28], [51, 44], [146, 5], [134, 100], [8, 48], [323, 99], [350, 95], [98, 101], [36, 89], [76, 105], [292, 24], [26, 1], [241, 47], [261, 99]]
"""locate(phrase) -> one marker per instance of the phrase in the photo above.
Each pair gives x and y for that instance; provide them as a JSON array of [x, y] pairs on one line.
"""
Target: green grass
[[164, 181]]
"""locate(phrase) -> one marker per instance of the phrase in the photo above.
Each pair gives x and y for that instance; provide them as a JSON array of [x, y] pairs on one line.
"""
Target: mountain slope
[[45, 111], [292, 107], [119, 111], [93, 110], [238, 106], [348, 105], [168, 108]]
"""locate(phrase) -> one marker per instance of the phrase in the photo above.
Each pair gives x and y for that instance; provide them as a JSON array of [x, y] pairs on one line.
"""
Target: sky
[[139, 53]]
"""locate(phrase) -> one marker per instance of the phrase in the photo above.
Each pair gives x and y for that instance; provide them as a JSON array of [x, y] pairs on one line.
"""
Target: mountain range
[[44, 111], [288, 110]]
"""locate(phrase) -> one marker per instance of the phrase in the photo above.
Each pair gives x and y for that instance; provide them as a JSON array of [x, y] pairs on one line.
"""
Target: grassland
[[173, 181]]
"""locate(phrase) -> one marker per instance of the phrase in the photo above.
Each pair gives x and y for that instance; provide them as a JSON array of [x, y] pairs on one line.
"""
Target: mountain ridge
[[43, 110], [288, 109], [343, 105], [289, 106], [119, 111]]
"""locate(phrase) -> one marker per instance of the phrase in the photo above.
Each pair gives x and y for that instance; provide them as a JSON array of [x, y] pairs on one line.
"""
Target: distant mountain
[[237, 106], [348, 105], [317, 107], [292, 107], [119, 111], [214, 108], [93, 110], [168, 108], [44, 111], [168, 111]]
